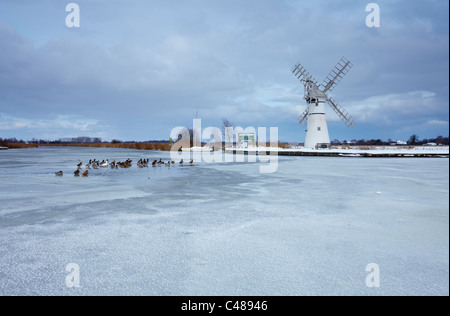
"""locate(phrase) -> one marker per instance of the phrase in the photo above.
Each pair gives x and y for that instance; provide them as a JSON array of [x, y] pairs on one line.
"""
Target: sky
[[134, 70]]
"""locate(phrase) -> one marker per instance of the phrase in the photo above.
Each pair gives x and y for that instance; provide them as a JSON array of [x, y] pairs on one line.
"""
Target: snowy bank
[[354, 151]]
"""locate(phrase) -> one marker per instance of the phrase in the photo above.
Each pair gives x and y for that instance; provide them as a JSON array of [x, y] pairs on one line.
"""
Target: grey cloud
[[148, 66]]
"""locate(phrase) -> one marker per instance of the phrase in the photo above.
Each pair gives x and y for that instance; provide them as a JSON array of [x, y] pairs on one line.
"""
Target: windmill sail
[[302, 118], [336, 75], [302, 74], [342, 113]]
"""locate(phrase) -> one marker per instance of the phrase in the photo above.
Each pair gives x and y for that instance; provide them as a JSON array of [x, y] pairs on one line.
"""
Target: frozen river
[[222, 229]]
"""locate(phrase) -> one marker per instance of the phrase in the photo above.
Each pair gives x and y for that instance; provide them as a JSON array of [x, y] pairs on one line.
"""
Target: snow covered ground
[[438, 150], [222, 229]]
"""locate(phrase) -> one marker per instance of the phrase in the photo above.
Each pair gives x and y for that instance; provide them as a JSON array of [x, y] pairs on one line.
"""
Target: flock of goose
[[142, 163]]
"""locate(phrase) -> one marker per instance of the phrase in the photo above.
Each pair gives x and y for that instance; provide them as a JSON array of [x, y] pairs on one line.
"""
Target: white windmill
[[316, 97]]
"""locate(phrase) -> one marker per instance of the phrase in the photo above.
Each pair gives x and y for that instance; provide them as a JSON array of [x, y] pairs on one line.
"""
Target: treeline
[[414, 140], [85, 142], [77, 140], [74, 141], [440, 140], [5, 141]]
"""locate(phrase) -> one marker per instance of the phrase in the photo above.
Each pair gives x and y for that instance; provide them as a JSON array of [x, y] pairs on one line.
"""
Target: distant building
[[401, 142], [430, 144], [246, 140]]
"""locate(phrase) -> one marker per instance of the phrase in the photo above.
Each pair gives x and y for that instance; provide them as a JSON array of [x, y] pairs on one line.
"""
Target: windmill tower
[[316, 96]]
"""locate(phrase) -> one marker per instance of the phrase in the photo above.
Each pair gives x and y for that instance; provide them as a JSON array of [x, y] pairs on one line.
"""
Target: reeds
[[141, 146], [18, 145]]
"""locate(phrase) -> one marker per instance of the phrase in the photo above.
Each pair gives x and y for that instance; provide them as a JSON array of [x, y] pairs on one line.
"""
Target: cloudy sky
[[134, 70]]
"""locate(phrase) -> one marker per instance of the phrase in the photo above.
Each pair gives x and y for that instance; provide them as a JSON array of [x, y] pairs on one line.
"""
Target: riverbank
[[355, 151], [17, 145], [142, 146]]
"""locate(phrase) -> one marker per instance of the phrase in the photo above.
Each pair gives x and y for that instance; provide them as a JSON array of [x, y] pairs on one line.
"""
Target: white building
[[246, 140]]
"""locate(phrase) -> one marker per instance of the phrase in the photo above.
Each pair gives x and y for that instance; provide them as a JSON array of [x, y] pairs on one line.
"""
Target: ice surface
[[222, 229]]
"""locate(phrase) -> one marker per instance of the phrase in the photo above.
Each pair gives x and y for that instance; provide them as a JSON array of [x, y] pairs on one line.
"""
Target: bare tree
[[228, 130], [413, 139]]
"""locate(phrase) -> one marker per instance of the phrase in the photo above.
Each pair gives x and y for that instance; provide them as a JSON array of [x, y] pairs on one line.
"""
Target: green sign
[[248, 138]]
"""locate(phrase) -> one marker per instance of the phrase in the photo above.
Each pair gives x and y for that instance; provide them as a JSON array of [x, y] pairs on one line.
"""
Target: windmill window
[[318, 129]]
